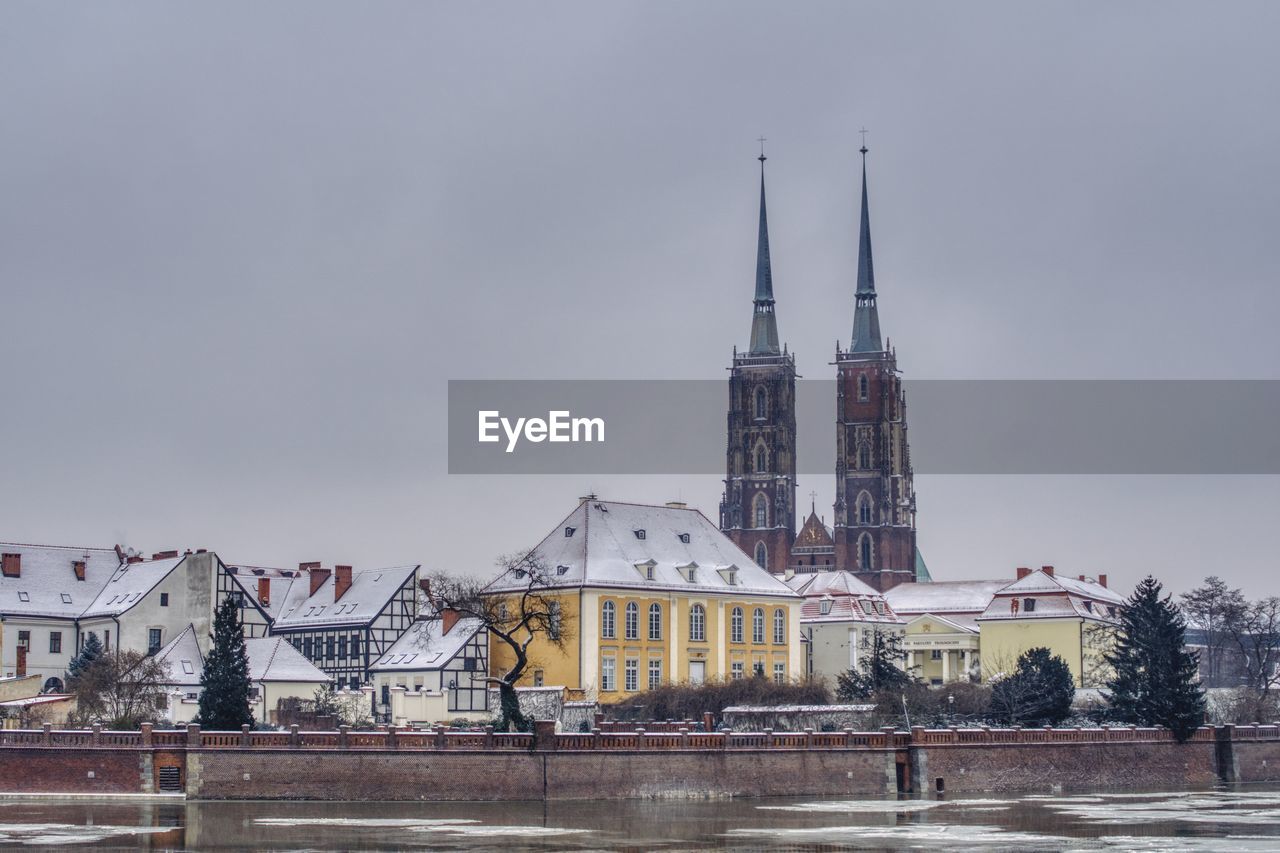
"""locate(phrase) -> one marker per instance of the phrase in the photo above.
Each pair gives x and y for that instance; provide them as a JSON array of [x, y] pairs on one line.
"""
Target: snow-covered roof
[[278, 583], [274, 659], [943, 596], [612, 544], [182, 656], [369, 592], [47, 584], [424, 647], [843, 596], [129, 584], [1055, 597], [956, 622]]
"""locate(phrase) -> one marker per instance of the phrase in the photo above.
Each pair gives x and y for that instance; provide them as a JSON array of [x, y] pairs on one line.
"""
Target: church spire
[[866, 319], [764, 323]]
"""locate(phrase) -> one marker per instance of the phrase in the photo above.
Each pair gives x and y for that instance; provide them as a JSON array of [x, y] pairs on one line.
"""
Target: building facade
[[437, 670], [839, 619], [652, 595]]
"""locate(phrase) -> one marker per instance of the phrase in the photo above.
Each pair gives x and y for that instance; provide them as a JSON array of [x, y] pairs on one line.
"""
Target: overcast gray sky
[[244, 246]]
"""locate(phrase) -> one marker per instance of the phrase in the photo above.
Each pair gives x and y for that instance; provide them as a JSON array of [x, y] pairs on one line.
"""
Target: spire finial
[[866, 319], [764, 325], [863, 149], [761, 158]]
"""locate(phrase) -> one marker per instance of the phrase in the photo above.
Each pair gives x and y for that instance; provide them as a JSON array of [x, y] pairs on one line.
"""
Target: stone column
[[946, 665]]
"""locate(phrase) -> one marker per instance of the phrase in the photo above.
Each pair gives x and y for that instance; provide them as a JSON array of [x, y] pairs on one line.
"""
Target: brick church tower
[[875, 509], [758, 509]]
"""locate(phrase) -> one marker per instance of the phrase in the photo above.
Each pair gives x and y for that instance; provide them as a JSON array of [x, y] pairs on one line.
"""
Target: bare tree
[[516, 607], [1210, 609], [1254, 629], [120, 690]]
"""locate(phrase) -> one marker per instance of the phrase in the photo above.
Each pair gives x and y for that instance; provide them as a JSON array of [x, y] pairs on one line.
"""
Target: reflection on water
[[1242, 819]]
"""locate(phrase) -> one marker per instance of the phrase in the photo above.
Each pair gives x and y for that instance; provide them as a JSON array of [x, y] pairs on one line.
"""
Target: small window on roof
[[684, 537], [825, 606], [1028, 605], [187, 668], [562, 570], [639, 531], [1088, 605], [66, 598], [22, 596], [569, 531]]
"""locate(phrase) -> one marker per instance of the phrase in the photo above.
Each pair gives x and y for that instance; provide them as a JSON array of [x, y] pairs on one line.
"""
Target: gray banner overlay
[[955, 426]]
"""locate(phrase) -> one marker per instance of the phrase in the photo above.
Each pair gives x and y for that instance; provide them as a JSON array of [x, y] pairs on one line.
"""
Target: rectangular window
[[342, 647], [153, 640], [469, 664], [935, 654], [355, 683], [386, 694], [355, 645], [164, 599], [306, 648], [631, 674], [328, 647], [735, 670], [106, 640], [537, 678], [757, 669], [24, 639], [55, 642], [780, 673], [655, 673], [608, 674]]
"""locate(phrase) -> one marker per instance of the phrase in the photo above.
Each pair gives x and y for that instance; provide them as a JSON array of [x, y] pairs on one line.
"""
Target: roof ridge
[[272, 658], [66, 547]]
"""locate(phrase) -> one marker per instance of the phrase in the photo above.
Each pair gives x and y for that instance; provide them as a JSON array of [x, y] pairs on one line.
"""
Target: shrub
[[690, 701]]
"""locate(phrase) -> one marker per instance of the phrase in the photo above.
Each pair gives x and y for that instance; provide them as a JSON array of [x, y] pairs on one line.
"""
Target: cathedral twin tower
[[874, 530]]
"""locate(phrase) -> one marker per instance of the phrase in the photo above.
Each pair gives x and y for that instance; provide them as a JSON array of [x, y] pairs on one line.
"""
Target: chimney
[[1023, 571], [21, 670], [1048, 570], [164, 555], [448, 618], [788, 574], [120, 554], [587, 498], [136, 558], [1102, 580], [341, 581], [1082, 578], [318, 576], [11, 565], [264, 592], [425, 586], [77, 566]]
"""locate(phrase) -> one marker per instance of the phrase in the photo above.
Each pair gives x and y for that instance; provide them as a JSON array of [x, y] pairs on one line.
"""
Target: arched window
[[757, 625], [863, 390], [633, 621], [762, 404], [608, 620], [655, 621], [735, 625], [864, 456], [762, 460], [864, 552], [697, 624], [762, 556], [779, 626], [761, 511], [864, 508]]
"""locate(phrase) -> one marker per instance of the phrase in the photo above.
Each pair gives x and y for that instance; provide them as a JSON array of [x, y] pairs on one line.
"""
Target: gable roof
[[368, 594], [943, 596], [1055, 597], [278, 582], [183, 657], [851, 600], [47, 585], [960, 624], [129, 584], [602, 544], [814, 534], [424, 647], [274, 659]]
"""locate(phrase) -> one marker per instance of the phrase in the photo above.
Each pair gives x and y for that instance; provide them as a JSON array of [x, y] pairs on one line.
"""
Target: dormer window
[[562, 570], [569, 531], [1088, 605], [684, 537], [646, 569], [689, 572], [825, 606], [639, 531], [730, 575], [1028, 605]]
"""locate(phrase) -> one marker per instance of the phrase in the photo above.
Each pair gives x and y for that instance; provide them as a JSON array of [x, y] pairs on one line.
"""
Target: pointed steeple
[[866, 319], [764, 323]]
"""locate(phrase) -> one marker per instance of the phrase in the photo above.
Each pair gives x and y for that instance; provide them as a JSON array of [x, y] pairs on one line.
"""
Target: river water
[[1245, 818]]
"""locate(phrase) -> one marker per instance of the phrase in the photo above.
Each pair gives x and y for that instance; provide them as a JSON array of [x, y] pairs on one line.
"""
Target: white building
[[838, 619], [43, 591], [276, 671], [435, 671]]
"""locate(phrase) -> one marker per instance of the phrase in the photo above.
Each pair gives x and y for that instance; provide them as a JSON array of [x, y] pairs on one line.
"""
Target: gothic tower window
[[762, 460], [864, 553], [762, 404], [762, 556], [864, 391], [864, 456], [761, 511], [864, 508]]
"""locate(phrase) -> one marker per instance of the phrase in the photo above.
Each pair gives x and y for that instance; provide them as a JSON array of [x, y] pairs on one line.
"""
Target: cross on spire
[[863, 149], [813, 502], [761, 158]]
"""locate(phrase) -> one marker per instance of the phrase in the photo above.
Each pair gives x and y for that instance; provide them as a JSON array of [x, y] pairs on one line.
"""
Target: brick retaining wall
[[441, 764]]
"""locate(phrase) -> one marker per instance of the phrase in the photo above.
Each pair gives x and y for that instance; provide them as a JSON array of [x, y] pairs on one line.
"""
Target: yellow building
[[1072, 617], [656, 594], [942, 641]]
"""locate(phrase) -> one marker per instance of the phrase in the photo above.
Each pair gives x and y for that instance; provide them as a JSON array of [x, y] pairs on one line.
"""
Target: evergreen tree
[[879, 667], [1039, 692], [89, 652], [224, 701], [1155, 676]]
